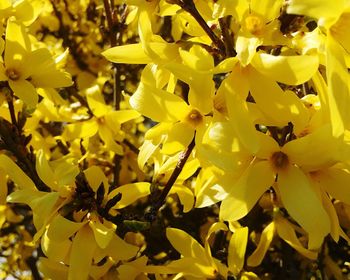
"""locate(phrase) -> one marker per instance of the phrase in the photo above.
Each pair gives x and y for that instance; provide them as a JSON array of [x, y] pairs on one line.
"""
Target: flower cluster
[[175, 139]]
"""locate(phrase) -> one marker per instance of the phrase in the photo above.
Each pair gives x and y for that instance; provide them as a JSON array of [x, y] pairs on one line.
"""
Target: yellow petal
[[339, 30], [290, 70], [95, 177], [96, 101], [236, 250], [3, 76], [270, 9], [206, 190], [197, 58], [130, 54], [264, 243], [314, 151], [157, 104], [303, 204], [53, 270], [246, 48], [25, 91], [61, 229], [15, 173], [336, 182], [179, 137], [118, 249], [122, 116], [284, 107], [286, 231], [103, 235], [186, 245], [83, 129], [333, 216], [56, 251], [42, 208], [98, 271], [82, 251], [222, 147], [17, 44], [108, 138], [235, 89], [245, 193], [338, 85], [185, 195], [45, 171], [226, 65], [145, 152], [52, 79], [315, 8], [268, 145], [193, 267], [130, 193]]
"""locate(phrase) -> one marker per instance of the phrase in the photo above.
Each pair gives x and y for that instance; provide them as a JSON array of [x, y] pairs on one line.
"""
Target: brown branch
[[15, 142], [180, 164], [227, 36], [12, 111], [190, 7]]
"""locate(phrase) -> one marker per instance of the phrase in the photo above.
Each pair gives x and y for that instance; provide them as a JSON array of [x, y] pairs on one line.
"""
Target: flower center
[[12, 74], [279, 160], [194, 118], [101, 120], [254, 24]]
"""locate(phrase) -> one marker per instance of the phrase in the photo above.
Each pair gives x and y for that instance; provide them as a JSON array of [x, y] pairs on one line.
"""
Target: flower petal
[[15, 173], [290, 70], [314, 151], [82, 251], [130, 193], [315, 8], [45, 171], [179, 137], [61, 229], [185, 195], [118, 249], [82, 129], [336, 182], [304, 204], [157, 104], [103, 235], [264, 243], [186, 245], [338, 87], [236, 250], [235, 89], [130, 54], [17, 44], [245, 193], [25, 91], [287, 233]]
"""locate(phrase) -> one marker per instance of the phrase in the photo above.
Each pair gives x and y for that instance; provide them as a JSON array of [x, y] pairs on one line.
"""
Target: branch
[[179, 166], [190, 7], [227, 36]]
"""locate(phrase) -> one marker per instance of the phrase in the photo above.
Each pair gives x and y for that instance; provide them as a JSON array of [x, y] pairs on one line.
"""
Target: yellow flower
[[292, 165], [25, 69], [25, 11], [287, 232], [333, 18], [105, 121], [178, 120]]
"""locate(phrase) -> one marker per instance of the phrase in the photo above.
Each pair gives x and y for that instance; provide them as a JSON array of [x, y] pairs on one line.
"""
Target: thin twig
[[180, 164], [190, 7], [227, 37], [12, 111]]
